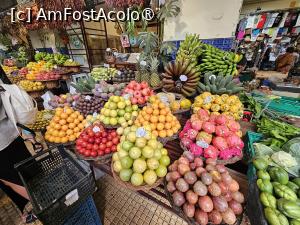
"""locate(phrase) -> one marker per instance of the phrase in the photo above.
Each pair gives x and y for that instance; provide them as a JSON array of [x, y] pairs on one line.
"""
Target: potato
[[189, 156], [201, 217], [189, 210], [190, 177], [206, 178], [182, 185], [200, 170], [238, 196], [214, 189], [233, 186], [226, 178], [191, 197], [223, 187], [205, 203], [200, 188], [173, 167], [171, 187], [192, 166], [227, 196], [220, 203], [221, 168], [210, 167], [183, 168], [236, 207], [215, 217], [175, 176], [229, 216], [199, 162], [183, 160], [178, 198], [216, 176]]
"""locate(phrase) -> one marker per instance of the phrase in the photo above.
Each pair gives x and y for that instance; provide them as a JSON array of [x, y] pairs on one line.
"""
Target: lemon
[[185, 104]]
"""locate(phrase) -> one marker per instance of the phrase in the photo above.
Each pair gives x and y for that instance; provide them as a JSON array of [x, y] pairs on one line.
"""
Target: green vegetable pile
[[103, 73], [278, 194]]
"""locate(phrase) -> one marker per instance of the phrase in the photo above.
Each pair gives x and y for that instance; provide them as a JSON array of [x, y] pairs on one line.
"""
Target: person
[[265, 62], [12, 150], [285, 61]]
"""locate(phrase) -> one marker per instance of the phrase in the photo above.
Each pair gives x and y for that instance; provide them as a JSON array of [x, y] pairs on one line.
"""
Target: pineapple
[[145, 76], [154, 77]]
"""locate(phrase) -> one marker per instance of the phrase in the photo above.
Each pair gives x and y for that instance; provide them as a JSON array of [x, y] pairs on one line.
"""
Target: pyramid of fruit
[[219, 104], [118, 111], [29, 86], [140, 159], [138, 92], [159, 117], [65, 126], [212, 136]]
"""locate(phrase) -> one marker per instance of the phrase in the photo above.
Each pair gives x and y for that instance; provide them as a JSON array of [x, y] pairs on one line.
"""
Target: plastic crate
[[56, 184], [250, 139], [86, 214]]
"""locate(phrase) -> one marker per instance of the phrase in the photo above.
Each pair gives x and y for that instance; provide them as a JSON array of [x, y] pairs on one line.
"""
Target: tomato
[[91, 140], [113, 148], [102, 147], [79, 142], [98, 141], [83, 145], [107, 151], [91, 133], [109, 137], [104, 134], [89, 146], [98, 134], [100, 153], [81, 151], [94, 153], [95, 147], [115, 140], [85, 137], [114, 134], [87, 153], [104, 140], [109, 144]]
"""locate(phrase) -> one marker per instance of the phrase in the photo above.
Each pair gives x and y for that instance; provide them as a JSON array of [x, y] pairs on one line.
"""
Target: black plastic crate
[[56, 184]]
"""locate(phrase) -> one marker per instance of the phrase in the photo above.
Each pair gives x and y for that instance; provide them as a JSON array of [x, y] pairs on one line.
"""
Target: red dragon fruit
[[203, 136], [222, 131], [211, 152], [233, 140], [186, 142], [233, 125], [203, 114], [197, 125], [196, 150], [220, 143], [221, 119], [191, 134], [213, 118], [208, 127], [187, 126], [229, 153]]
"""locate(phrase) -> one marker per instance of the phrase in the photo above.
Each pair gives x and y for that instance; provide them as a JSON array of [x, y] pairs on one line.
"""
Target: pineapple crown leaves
[[168, 10], [148, 41], [154, 63], [167, 48]]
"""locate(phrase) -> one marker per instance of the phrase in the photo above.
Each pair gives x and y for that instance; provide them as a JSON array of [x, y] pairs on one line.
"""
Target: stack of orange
[[65, 126], [159, 117]]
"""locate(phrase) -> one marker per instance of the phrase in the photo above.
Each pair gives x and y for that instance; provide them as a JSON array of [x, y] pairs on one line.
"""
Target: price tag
[[55, 66], [183, 78], [127, 96], [71, 197], [95, 114], [143, 63], [88, 98], [140, 132], [116, 54], [202, 144], [211, 76], [106, 65], [37, 51], [96, 129], [164, 99], [108, 49], [207, 100], [119, 72]]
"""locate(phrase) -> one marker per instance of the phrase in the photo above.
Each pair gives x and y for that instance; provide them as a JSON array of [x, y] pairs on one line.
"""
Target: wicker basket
[[36, 94], [50, 84], [167, 139], [220, 161], [99, 160], [191, 221], [135, 188]]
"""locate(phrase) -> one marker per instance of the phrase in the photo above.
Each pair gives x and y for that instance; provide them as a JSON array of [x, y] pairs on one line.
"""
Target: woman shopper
[[286, 61], [12, 150]]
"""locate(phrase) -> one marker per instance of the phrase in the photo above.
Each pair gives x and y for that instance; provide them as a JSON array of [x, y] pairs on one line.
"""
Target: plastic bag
[[47, 97]]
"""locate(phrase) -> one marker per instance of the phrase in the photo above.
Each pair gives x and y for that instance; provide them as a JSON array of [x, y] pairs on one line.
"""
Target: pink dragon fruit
[[203, 136], [208, 127], [211, 152], [203, 114], [197, 125], [233, 125], [233, 140], [191, 134], [186, 142], [220, 143], [196, 150], [213, 118], [221, 119], [229, 153], [187, 126], [222, 131]]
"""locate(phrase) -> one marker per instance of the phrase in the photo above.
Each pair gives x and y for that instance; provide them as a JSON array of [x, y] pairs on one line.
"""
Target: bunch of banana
[[181, 77], [217, 61], [190, 49], [219, 85]]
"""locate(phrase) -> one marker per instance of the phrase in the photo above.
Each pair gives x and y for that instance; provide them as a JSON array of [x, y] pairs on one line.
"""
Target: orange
[[168, 118], [80, 117], [161, 118], [51, 139], [76, 121], [57, 127], [147, 117], [61, 134], [48, 127], [57, 140], [162, 133], [160, 126], [161, 105], [145, 122], [72, 137], [153, 126], [76, 129], [62, 122], [64, 127], [80, 126], [138, 123], [47, 136], [72, 125], [83, 122], [64, 139], [143, 113], [74, 115], [64, 116], [59, 109], [77, 113], [69, 132], [163, 112], [173, 123], [58, 113], [170, 133], [55, 133], [70, 120], [68, 111], [155, 112], [153, 119], [168, 126], [155, 133], [56, 119], [175, 129], [149, 110]]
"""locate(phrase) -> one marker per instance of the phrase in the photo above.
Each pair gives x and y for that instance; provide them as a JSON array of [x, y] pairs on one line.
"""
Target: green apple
[[122, 153], [126, 162], [148, 152], [150, 177], [140, 142], [128, 102], [113, 105], [106, 121], [139, 166], [121, 105], [131, 136], [164, 151], [113, 121], [128, 109], [137, 179], [127, 145], [135, 107], [121, 112], [164, 160], [152, 163], [127, 116], [153, 143], [106, 112], [113, 113], [121, 120], [126, 130], [135, 152], [117, 166]]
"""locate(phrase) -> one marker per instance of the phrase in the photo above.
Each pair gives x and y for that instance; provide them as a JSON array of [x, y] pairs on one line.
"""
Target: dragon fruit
[[229, 153], [221, 119], [208, 127], [196, 150], [239, 133], [197, 125], [203, 136], [203, 114], [213, 118], [211, 152], [222, 131], [186, 142], [233, 125], [233, 140], [191, 134], [220, 143]]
